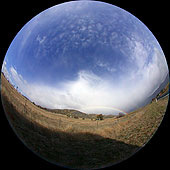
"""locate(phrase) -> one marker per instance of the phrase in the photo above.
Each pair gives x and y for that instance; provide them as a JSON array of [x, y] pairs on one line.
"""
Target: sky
[[86, 55]]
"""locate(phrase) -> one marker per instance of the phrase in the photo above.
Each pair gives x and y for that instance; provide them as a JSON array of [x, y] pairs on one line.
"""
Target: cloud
[[5, 71], [40, 40], [140, 54], [106, 66], [94, 94]]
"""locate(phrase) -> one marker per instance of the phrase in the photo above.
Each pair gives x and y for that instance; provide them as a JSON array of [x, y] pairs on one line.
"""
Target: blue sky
[[86, 54]]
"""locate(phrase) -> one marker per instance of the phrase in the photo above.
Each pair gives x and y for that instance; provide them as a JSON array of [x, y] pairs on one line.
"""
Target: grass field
[[80, 143]]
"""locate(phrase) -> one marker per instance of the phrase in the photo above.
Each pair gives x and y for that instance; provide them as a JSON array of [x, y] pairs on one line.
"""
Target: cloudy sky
[[89, 56]]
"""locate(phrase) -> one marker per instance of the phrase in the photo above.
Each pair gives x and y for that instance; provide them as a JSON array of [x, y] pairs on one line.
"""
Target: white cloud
[[93, 94], [140, 54], [5, 71], [40, 39], [106, 66]]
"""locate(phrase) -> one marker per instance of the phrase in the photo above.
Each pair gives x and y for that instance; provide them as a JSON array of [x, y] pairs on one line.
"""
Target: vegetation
[[79, 143], [120, 115], [162, 93], [77, 114], [100, 117]]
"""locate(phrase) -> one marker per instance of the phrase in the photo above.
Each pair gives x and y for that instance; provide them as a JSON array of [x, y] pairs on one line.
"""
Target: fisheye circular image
[[84, 85]]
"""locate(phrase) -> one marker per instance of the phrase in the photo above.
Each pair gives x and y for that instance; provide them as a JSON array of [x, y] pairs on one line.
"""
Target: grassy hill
[[79, 143], [75, 113]]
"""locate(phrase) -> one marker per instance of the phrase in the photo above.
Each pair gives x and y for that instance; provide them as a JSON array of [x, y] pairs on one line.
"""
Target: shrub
[[75, 117]]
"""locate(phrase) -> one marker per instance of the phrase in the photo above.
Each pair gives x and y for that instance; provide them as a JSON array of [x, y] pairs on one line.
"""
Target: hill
[[75, 113]]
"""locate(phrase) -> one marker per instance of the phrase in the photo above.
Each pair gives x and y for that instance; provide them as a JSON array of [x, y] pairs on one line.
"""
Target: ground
[[80, 143]]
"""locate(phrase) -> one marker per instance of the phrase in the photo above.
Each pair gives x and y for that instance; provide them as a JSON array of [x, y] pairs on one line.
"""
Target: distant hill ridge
[[75, 113]]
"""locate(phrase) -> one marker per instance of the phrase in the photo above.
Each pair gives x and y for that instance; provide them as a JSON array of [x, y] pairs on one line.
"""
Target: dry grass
[[78, 143]]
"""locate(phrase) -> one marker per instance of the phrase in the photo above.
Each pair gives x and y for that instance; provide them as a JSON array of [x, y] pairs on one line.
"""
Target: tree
[[100, 117], [120, 115]]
